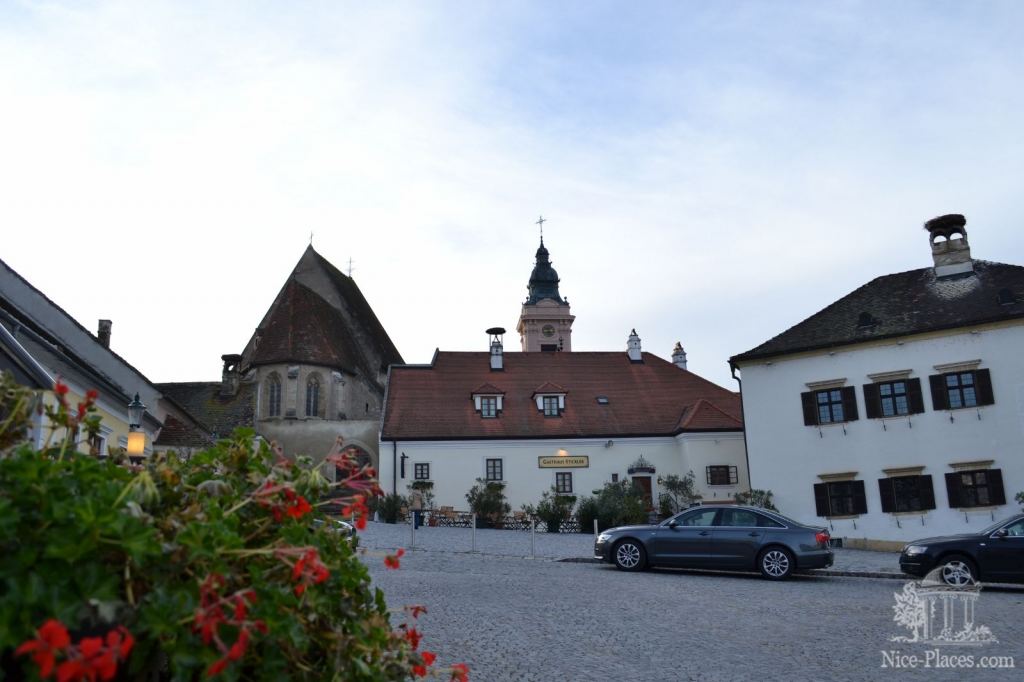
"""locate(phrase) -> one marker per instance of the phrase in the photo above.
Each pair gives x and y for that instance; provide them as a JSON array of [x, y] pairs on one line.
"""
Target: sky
[[710, 173]]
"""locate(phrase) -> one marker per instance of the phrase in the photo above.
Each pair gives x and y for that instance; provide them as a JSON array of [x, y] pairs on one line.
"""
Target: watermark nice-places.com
[[941, 617]]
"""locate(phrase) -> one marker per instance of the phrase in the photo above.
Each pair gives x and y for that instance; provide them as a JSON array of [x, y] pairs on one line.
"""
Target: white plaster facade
[[455, 465], [789, 458]]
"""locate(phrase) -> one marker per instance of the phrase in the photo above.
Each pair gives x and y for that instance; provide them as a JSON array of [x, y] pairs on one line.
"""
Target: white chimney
[[497, 353], [951, 256], [679, 356], [633, 348]]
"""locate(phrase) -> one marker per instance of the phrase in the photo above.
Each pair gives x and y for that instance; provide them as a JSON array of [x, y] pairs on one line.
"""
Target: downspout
[[743, 413], [394, 467]]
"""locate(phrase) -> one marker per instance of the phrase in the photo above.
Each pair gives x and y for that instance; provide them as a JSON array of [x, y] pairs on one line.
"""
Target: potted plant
[[487, 500], [554, 509]]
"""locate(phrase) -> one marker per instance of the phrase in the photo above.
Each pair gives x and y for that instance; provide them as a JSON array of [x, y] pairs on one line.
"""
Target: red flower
[[296, 505], [217, 668], [92, 394], [60, 388], [238, 648], [414, 636], [460, 673], [416, 610], [391, 560], [429, 657], [52, 638]]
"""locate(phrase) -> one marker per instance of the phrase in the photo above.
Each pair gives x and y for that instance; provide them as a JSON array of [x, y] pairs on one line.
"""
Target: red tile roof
[[649, 398], [549, 387], [488, 389]]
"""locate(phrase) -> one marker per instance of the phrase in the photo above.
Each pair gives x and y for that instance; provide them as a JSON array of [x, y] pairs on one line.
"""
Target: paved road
[[514, 618]]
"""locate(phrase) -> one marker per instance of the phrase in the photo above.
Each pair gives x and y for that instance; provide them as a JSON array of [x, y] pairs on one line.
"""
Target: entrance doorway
[[644, 483]]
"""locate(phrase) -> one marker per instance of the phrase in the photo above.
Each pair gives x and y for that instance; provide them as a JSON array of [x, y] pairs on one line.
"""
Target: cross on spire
[[541, 221]]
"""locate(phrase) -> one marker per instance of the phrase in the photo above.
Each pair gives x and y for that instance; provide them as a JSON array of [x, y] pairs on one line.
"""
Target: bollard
[[474, 532], [533, 538], [412, 532], [595, 528]]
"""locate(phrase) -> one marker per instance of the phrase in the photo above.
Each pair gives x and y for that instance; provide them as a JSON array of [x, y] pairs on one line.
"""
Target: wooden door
[[644, 482]]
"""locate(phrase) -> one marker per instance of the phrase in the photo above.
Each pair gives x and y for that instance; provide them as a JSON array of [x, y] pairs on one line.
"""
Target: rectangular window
[[494, 470], [960, 390], [976, 488], [489, 407], [550, 406], [840, 498], [421, 471], [563, 482], [721, 475], [906, 493], [830, 406], [893, 398]]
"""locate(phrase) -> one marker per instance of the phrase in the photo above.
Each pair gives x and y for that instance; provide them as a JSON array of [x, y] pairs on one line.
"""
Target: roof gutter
[[743, 413]]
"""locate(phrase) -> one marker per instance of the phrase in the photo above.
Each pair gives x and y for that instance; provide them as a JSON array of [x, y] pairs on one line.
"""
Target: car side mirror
[[1001, 533], [672, 524]]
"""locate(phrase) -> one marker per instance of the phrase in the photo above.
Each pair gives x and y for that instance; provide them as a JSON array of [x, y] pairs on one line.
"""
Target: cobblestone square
[[512, 617]]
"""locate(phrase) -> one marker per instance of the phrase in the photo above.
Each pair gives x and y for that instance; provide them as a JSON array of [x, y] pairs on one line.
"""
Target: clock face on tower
[[547, 330]]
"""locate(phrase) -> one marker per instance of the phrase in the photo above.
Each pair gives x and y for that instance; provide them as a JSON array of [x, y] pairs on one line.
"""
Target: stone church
[[314, 369]]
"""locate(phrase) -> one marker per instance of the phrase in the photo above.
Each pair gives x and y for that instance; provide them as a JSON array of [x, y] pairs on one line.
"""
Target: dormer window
[[550, 399], [488, 400]]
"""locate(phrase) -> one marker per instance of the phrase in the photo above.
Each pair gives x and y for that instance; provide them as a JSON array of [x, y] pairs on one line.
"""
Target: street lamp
[[136, 437]]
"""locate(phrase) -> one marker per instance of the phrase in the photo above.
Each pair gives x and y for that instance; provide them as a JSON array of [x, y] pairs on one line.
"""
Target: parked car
[[720, 537], [338, 526], [995, 554]]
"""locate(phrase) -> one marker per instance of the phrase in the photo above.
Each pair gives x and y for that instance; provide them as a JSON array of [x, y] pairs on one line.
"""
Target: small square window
[[550, 406], [830, 406], [563, 482], [960, 389], [721, 475], [421, 471], [494, 470]]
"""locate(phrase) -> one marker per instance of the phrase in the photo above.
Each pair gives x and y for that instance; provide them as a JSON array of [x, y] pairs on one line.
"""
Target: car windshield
[[996, 526]]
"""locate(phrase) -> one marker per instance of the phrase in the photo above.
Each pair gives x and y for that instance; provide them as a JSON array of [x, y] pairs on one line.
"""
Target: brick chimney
[[679, 356], [229, 378], [950, 250], [103, 332], [633, 348]]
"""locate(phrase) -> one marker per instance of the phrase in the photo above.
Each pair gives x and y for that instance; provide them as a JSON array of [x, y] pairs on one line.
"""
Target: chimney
[[103, 332], [497, 353], [951, 256], [633, 348], [229, 378], [679, 356]]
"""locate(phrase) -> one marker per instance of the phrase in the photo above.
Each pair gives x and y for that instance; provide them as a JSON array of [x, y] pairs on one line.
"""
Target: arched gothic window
[[274, 396], [313, 397]]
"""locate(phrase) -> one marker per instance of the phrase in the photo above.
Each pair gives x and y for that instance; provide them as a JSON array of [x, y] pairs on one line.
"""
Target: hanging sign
[[564, 462]]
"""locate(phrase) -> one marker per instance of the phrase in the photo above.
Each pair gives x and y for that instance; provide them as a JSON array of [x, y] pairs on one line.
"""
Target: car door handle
[[753, 535], [703, 532]]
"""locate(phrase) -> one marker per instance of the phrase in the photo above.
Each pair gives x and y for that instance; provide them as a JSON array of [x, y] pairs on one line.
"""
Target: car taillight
[[822, 538]]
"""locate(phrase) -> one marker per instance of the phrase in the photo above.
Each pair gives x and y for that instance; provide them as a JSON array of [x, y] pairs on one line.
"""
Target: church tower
[[545, 323]]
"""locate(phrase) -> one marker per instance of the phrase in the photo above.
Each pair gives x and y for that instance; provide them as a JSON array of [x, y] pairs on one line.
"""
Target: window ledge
[[986, 508], [904, 471], [978, 464], [923, 512], [839, 476], [827, 424], [843, 518], [722, 485]]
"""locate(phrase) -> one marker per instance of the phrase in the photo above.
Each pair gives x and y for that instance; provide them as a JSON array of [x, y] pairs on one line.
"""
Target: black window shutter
[[810, 408], [940, 398], [983, 382], [926, 492], [953, 489], [915, 397], [996, 493], [860, 500], [849, 394], [872, 401], [821, 498], [888, 495]]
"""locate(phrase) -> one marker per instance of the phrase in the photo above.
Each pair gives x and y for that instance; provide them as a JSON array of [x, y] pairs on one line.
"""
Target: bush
[[616, 504], [181, 570], [554, 509], [390, 507], [757, 498], [679, 494], [1020, 499], [487, 500]]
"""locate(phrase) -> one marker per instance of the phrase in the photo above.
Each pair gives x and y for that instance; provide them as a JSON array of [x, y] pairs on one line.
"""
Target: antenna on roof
[[311, 237], [350, 268]]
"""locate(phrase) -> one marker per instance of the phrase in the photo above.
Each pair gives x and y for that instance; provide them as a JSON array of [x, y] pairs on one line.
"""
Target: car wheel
[[630, 556], [776, 563], [958, 571]]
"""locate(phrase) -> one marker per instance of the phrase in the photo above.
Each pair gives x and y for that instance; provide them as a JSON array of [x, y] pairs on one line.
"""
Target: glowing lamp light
[[136, 444], [563, 453]]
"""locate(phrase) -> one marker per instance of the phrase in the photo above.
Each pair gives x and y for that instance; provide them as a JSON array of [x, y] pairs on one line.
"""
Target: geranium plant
[[180, 570]]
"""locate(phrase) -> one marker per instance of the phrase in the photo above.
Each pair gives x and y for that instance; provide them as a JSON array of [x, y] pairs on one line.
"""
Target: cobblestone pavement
[[558, 546], [514, 618]]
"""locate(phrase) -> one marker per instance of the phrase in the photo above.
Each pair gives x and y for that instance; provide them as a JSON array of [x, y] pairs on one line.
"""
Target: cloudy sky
[[711, 172]]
